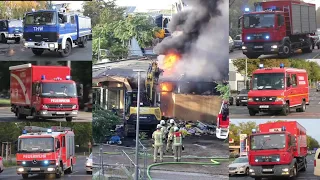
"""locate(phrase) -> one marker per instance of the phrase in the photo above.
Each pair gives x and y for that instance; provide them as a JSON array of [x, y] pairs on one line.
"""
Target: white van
[[317, 163]]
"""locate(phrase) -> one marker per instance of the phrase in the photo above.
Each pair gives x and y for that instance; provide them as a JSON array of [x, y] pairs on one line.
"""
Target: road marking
[[316, 56]]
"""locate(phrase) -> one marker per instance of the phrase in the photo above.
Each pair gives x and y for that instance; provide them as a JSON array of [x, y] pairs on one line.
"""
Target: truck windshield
[[59, 90], [36, 144], [258, 20], [265, 81], [15, 23], [269, 141], [40, 18]]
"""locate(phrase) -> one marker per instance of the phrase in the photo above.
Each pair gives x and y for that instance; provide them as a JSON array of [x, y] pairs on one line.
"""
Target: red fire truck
[[278, 89], [278, 27], [222, 129], [45, 151], [278, 149], [43, 92]]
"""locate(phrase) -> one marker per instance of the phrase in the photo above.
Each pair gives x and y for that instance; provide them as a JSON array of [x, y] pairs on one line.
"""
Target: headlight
[[20, 169], [279, 99], [25, 44], [50, 169], [74, 107], [244, 47], [274, 46], [51, 45], [89, 164], [251, 170], [250, 99], [285, 170], [238, 97]]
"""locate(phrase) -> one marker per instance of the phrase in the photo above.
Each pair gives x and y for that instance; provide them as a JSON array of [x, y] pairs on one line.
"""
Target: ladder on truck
[[287, 19]]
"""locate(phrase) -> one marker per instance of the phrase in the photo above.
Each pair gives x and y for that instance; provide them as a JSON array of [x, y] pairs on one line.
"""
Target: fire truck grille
[[60, 106], [264, 99], [35, 164]]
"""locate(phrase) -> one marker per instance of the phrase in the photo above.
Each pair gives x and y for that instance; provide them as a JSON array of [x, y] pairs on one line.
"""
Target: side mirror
[[239, 21], [58, 145]]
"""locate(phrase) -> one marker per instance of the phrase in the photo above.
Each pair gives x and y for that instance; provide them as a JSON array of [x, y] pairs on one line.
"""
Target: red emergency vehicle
[[278, 27], [45, 151], [278, 149], [278, 89], [222, 129], [43, 92]]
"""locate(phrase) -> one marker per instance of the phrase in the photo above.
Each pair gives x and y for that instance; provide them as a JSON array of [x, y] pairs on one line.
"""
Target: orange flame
[[166, 87], [169, 63]]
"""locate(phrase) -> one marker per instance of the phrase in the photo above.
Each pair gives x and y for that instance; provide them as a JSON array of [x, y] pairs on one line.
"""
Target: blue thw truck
[[11, 30], [54, 30]]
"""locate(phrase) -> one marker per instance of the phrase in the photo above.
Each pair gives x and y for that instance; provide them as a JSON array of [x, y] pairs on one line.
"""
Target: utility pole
[[245, 78], [137, 128]]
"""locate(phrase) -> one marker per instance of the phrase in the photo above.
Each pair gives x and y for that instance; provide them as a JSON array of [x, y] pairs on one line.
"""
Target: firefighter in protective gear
[[177, 144], [157, 136], [164, 131], [170, 135]]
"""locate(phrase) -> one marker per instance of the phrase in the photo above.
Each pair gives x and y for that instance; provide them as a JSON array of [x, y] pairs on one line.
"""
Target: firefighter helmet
[[176, 129], [162, 122], [158, 126], [171, 121]]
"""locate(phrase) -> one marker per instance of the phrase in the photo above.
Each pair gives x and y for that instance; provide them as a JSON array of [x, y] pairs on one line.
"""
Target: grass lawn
[[5, 101]]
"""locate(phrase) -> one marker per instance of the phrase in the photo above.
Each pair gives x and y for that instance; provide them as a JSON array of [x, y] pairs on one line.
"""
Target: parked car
[[242, 97], [239, 166], [1, 165], [231, 100], [89, 164], [316, 163], [238, 41], [231, 44]]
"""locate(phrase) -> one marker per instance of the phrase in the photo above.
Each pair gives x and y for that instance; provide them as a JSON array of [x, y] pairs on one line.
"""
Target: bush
[[103, 122]]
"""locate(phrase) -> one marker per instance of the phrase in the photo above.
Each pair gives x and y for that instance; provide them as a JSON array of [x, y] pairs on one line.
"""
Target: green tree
[[312, 143], [224, 90], [242, 128], [103, 123]]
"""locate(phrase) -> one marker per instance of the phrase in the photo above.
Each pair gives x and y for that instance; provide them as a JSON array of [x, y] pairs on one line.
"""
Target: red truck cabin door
[[293, 94], [280, 26], [63, 149]]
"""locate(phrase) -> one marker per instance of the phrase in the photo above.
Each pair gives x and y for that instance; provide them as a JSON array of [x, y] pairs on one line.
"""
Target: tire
[[286, 50], [247, 171], [237, 104], [21, 116], [38, 52], [66, 52], [3, 39], [303, 107], [84, 42], [294, 171], [69, 119], [252, 56], [252, 112], [25, 176], [305, 166], [60, 172], [309, 49], [34, 115], [17, 40], [70, 170], [89, 172], [285, 110]]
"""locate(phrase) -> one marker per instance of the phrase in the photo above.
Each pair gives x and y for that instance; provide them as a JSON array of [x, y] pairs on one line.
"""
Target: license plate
[[258, 47], [267, 170], [244, 100], [35, 169], [60, 113], [264, 106]]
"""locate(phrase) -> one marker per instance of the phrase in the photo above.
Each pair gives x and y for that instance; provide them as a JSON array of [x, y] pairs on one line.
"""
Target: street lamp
[[137, 125]]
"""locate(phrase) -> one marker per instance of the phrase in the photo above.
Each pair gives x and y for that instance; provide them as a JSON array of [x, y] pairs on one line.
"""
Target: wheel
[[237, 104], [69, 119], [66, 52], [252, 56], [305, 166], [252, 112], [60, 172], [286, 50], [89, 172], [37, 52], [303, 107], [309, 48], [83, 43], [70, 170], [25, 176], [20, 116], [285, 110], [17, 40], [247, 171], [294, 171], [35, 117], [3, 39]]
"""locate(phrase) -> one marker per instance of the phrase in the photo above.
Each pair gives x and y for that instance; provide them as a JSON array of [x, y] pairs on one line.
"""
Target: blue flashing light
[[24, 131], [49, 131], [54, 7], [281, 65], [68, 78], [46, 162], [246, 9], [254, 131], [43, 77], [23, 163], [267, 37], [260, 66], [248, 37], [283, 128]]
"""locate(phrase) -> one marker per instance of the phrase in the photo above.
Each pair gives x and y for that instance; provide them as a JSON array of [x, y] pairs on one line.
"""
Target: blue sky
[[312, 125]]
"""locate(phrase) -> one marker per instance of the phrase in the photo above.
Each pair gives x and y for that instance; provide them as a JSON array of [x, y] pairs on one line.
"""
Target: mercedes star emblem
[[34, 161]]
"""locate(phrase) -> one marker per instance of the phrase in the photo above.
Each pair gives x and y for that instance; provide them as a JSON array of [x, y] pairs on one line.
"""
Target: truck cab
[[223, 121], [11, 30]]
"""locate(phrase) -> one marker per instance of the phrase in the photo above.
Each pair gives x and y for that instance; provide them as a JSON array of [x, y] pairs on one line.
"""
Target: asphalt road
[[7, 116], [307, 175], [79, 173], [200, 146], [311, 112], [237, 54], [16, 52]]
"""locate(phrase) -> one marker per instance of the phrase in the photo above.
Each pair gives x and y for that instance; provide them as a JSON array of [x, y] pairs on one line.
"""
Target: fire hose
[[214, 160]]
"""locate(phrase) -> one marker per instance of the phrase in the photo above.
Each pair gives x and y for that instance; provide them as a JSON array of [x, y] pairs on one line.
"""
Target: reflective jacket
[[177, 139], [158, 138]]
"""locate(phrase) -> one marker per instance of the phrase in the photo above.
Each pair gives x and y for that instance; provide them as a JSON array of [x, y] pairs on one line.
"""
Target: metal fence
[[124, 169]]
